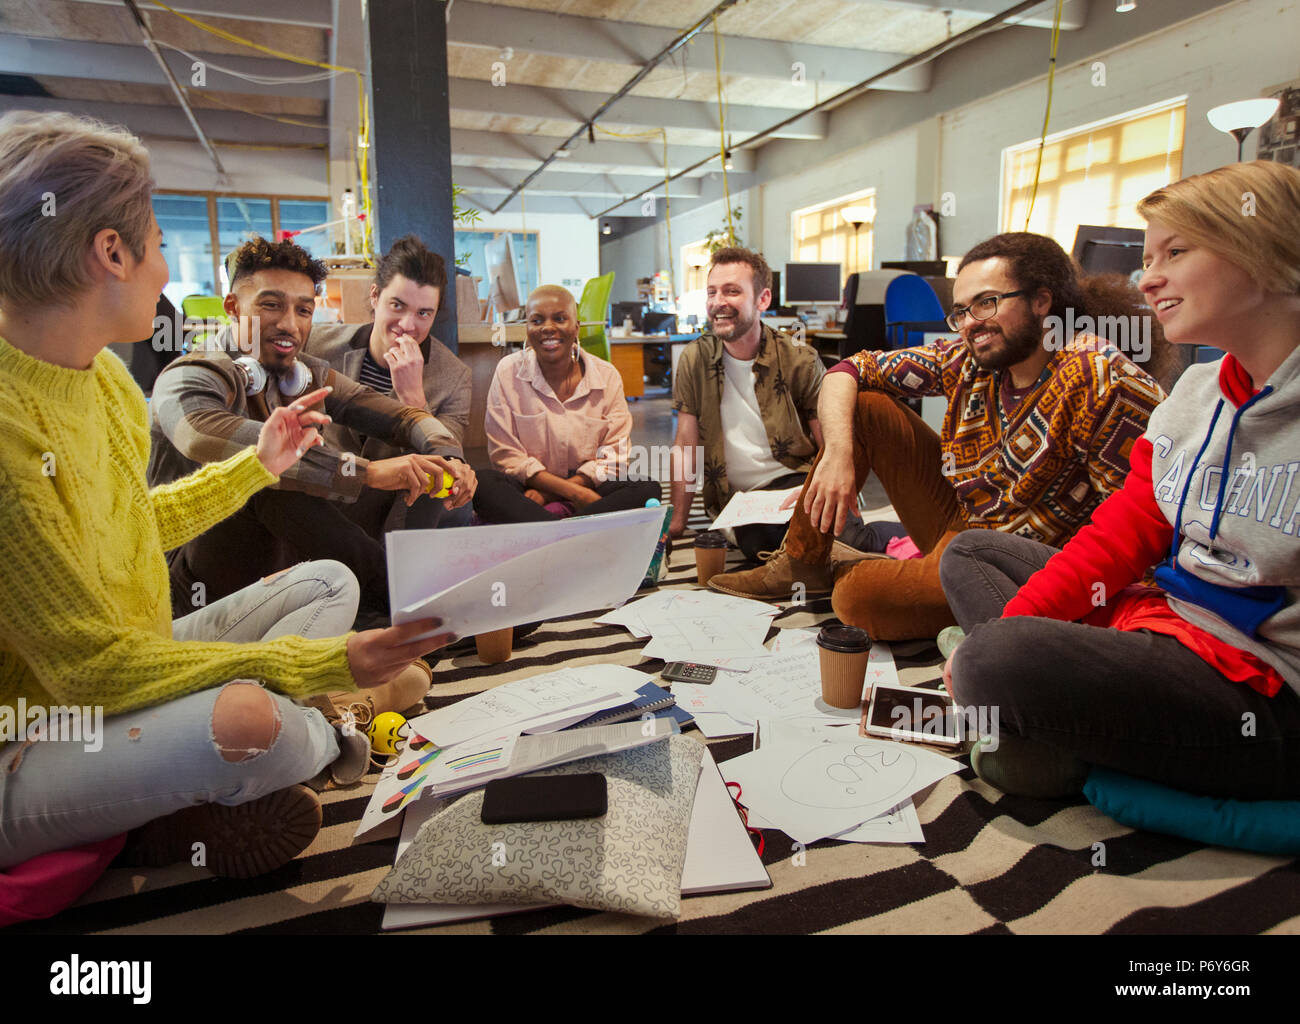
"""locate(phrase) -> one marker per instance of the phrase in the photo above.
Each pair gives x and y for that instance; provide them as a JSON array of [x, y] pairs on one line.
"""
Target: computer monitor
[[926, 268], [1107, 250], [658, 323], [503, 286], [806, 283], [622, 311], [776, 289]]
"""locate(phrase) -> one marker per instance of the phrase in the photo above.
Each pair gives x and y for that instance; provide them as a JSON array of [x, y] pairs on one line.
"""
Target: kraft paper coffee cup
[[710, 555], [843, 651], [495, 647]]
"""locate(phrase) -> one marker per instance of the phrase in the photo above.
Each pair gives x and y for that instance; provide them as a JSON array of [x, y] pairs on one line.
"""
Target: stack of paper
[[700, 626], [818, 782], [479, 738]]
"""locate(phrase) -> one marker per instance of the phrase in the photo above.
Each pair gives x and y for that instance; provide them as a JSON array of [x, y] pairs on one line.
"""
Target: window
[[201, 228], [1095, 174], [820, 234], [695, 265]]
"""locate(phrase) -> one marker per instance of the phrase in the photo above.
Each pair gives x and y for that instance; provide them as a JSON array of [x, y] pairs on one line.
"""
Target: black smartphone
[[687, 672], [545, 798]]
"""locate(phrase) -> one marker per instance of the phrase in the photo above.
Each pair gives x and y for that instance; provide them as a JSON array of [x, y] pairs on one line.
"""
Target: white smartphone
[[916, 715]]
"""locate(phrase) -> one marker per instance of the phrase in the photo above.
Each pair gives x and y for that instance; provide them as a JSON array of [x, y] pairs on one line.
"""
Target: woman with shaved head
[[557, 425]]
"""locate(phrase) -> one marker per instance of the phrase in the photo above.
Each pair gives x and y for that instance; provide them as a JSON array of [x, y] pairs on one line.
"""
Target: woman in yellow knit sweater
[[85, 613]]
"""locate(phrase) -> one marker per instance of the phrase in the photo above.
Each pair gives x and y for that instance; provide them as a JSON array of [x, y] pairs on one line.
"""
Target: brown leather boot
[[238, 842], [775, 580]]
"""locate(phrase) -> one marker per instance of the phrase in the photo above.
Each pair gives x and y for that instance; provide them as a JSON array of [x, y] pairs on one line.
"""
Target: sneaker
[[240, 842], [775, 580], [352, 763], [1024, 767], [948, 640]]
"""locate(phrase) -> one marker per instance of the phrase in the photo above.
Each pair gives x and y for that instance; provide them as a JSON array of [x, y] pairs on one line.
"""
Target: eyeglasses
[[980, 309]]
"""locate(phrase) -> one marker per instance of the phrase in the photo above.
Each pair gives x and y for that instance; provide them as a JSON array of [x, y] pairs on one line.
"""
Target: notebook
[[652, 699]]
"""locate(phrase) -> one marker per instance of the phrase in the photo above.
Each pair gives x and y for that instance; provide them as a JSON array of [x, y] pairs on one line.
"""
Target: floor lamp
[[1241, 118]]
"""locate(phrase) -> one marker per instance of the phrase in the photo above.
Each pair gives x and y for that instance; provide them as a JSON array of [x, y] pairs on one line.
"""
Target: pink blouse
[[530, 430]]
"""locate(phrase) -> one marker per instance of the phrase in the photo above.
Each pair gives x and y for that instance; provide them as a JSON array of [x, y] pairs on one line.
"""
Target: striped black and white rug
[[989, 863]]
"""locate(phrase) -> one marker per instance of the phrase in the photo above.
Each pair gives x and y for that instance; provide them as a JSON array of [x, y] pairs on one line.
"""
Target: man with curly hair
[[209, 403]]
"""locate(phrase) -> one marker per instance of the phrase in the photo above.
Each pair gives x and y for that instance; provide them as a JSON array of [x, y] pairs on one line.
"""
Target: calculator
[[687, 672]]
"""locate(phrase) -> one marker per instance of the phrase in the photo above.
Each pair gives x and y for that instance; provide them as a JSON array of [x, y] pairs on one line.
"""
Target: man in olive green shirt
[[747, 396]]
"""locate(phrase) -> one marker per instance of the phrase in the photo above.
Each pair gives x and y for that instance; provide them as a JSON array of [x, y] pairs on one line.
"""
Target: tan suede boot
[[399, 694], [775, 580]]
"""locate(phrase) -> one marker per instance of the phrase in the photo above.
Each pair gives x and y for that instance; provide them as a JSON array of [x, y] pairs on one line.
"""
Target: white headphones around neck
[[291, 385]]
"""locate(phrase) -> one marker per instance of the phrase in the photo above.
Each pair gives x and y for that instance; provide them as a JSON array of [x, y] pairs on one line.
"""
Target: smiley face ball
[[385, 731]]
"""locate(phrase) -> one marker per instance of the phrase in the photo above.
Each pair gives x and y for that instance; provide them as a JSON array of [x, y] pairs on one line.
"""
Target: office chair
[[911, 309], [592, 309]]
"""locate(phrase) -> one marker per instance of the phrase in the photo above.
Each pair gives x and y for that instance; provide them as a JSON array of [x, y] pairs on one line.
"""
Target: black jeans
[[755, 537], [1138, 702], [500, 498], [277, 529]]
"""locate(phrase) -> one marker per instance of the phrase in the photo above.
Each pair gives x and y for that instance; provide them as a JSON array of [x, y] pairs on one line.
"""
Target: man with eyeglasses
[[1037, 433]]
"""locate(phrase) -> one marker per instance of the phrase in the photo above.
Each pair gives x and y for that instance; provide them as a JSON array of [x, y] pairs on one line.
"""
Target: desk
[[628, 356]]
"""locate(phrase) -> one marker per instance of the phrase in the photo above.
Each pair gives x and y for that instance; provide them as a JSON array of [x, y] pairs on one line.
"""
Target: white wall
[[1233, 53], [888, 165], [645, 252], [185, 165], [921, 147], [568, 244]]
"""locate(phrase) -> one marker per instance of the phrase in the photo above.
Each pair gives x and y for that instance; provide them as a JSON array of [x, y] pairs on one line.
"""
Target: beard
[[739, 326], [1008, 349]]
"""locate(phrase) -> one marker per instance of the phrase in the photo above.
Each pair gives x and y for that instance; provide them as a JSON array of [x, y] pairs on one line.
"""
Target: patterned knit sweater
[[85, 610], [1040, 470]]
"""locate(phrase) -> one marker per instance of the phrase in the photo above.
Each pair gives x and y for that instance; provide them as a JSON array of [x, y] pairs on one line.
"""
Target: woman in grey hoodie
[[1194, 683]]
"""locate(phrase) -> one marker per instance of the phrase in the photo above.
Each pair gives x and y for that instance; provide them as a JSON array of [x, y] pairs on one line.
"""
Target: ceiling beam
[[632, 156], [119, 62], [629, 44], [149, 120], [312, 13], [1074, 15], [486, 181], [571, 105]]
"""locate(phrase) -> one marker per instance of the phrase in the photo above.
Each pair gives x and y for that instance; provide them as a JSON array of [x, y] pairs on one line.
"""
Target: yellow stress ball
[[385, 731], [447, 481]]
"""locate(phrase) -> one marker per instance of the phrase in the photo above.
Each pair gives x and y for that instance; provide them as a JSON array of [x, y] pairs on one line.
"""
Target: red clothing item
[[1089, 579]]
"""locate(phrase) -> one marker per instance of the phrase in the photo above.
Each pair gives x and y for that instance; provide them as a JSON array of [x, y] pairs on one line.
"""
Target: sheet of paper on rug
[[755, 507], [537, 584], [823, 787], [663, 611], [720, 857], [708, 639], [899, 824], [714, 726], [531, 703], [401, 783], [785, 685]]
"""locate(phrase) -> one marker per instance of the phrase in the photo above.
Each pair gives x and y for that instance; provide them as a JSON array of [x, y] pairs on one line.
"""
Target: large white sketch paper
[[491, 580], [816, 789]]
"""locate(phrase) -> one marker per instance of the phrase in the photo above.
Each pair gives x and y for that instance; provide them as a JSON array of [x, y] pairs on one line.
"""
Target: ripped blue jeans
[[144, 764]]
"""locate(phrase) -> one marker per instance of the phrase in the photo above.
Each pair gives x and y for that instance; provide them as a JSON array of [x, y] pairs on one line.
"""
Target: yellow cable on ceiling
[[1047, 113]]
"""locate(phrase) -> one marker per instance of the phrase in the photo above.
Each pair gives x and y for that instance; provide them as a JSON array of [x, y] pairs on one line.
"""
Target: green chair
[[592, 309], [203, 307]]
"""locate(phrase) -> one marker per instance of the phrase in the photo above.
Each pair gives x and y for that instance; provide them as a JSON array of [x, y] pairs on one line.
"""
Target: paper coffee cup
[[710, 555], [843, 652], [495, 647]]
